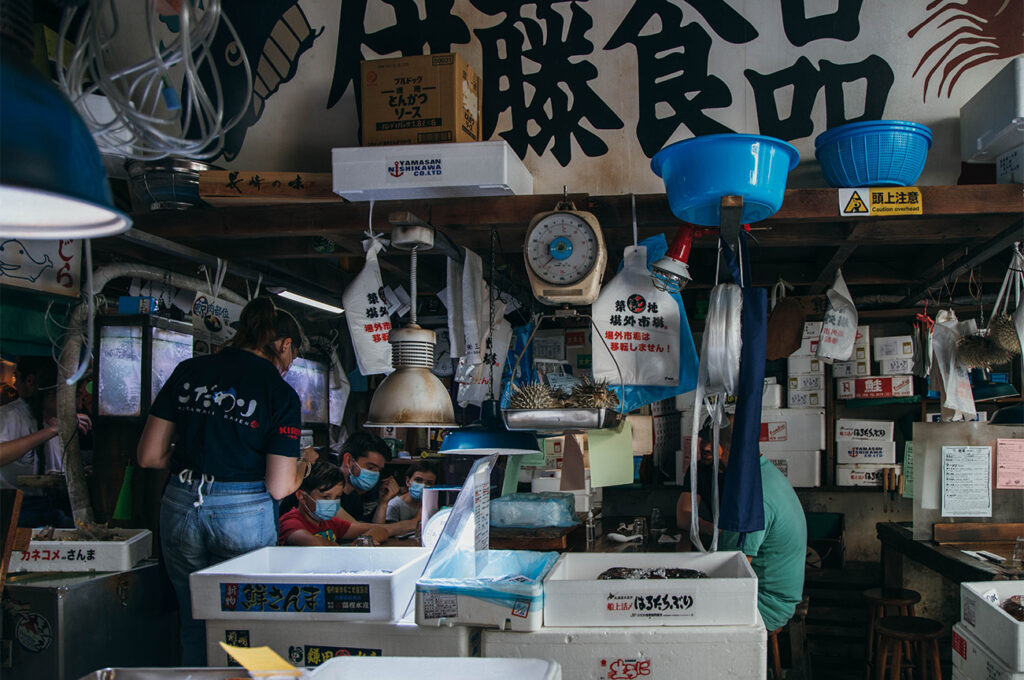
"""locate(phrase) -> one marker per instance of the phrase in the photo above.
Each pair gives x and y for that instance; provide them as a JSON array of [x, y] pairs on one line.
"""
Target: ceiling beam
[[828, 272]]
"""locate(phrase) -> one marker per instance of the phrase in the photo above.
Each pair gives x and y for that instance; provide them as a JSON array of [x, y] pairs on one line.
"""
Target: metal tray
[[560, 419]]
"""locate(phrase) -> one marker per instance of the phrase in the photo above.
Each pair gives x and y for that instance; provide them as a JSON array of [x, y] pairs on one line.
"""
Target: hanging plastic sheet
[[366, 313], [524, 373], [957, 392], [839, 329]]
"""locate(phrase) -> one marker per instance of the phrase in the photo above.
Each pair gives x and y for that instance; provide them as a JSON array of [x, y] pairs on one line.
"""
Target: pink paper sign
[[1010, 464]]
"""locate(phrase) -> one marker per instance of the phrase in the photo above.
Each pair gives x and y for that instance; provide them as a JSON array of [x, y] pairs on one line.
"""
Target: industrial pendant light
[[412, 396], [489, 435], [52, 181]]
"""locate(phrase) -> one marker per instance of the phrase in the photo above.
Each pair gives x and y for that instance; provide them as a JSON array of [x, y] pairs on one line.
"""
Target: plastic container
[[574, 597], [58, 555], [309, 584], [398, 668], [699, 171], [1003, 635], [975, 660], [879, 153]]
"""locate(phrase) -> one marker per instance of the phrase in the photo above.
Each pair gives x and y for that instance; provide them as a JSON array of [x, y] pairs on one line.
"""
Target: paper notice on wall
[[1010, 464], [908, 470], [611, 455], [966, 481]]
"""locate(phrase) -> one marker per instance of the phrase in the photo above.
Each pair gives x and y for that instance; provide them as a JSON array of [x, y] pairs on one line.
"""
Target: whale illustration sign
[[43, 266]]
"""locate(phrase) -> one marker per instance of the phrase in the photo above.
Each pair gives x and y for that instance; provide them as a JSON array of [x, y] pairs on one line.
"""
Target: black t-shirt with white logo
[[230, 410]]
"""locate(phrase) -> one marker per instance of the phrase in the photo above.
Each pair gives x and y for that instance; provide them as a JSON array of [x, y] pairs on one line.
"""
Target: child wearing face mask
[[407, 506], [315, 520]]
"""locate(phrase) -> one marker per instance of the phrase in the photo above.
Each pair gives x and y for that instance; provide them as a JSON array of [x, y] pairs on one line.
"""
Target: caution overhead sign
[[880, 201]]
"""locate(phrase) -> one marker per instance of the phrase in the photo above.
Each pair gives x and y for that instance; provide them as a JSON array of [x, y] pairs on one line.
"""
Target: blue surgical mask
[[326, 509], [366, 480], [416, 490]]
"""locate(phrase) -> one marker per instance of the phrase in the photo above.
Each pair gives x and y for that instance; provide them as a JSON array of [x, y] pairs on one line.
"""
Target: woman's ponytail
[[261, 324]]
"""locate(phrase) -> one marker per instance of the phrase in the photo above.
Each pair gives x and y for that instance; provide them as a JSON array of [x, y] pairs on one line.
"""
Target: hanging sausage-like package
[[366, 313]]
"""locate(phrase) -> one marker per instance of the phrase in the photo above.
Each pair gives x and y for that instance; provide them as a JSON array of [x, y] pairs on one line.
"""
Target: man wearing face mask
[[363, 457], [315, 519]]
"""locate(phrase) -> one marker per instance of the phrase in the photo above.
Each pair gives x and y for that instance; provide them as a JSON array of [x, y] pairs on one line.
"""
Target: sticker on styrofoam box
[[808, 348], [807, 382], [894, 347], [812, 330], [987, 621], [861, 353], [853, 452], [789, 429], [875, 387], [865, 430], [804, 365], [898, 366], [973, 658], [806, 398], [62, 553], [862, 475], [851, 369], [800, 468]]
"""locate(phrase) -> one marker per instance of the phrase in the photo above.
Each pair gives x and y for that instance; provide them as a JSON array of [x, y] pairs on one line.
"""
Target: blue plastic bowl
[[699, 171], [880, 153]]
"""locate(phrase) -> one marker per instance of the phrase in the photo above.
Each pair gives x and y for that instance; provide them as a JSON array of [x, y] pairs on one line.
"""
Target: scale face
[[565, 256]]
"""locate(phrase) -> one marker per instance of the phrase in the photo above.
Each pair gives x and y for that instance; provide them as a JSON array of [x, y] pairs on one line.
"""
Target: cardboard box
[[807, 382], [804, 365], [862, 475], [850, 452], [420, 99], [864, 430], [851, 369], [806, 398], [898, 366], [894, 347], [812, 330], [875, 387], [789, 429], [801, 468]]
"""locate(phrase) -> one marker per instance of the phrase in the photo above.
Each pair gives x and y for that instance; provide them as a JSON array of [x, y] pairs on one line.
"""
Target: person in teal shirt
[[777, 552]]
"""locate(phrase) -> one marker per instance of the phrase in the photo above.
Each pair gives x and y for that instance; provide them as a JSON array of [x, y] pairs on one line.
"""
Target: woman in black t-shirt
[[237, 425]]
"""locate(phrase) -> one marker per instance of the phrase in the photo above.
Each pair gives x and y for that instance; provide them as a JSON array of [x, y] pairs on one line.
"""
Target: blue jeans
[[233, 518]]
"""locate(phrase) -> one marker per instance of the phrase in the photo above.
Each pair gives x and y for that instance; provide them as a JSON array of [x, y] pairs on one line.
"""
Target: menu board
[[966, 481]]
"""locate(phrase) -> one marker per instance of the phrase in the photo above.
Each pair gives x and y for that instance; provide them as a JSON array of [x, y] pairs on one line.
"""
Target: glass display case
[[135, 355], [310, 379]]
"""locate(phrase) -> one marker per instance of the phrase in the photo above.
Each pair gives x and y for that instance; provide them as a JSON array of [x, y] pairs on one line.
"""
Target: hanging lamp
[[412, 396], [52, 181]]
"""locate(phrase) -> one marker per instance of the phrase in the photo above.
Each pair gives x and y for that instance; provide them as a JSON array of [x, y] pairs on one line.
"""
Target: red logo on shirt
[[254, 424], [290, 432]]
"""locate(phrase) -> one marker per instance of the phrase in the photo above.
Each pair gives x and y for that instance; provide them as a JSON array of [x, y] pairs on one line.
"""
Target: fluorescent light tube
[[295, 297]]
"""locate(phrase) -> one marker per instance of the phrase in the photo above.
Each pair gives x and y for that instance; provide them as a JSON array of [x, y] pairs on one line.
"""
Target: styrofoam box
[[787, 429], [464, 609], [898, 366], [58, 555], [975, 660], [574, 597], [894, 347], [647, 653], [855, 452], [991, 120], [865, 430], [863, 338], [419, 668], [812, 330], [349, 584], [851, 369], [804, 365], [806, 398], [1010, 166], [412, 171], [1002, 633], [808, 348], [875, 387], [807, 382], [551, 480], [862, 475], [772, 397], [861, 353], [310, 643], [800, 468]]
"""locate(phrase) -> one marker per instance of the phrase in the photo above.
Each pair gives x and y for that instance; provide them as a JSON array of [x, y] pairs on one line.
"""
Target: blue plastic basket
[[699, 171], [880, 153]]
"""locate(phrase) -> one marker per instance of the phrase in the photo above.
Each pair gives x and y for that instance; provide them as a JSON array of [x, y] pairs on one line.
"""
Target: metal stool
[[879, 600], [915, 633]]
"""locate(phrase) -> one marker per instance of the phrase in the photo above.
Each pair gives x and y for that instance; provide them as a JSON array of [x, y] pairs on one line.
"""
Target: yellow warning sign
[[880, 201]]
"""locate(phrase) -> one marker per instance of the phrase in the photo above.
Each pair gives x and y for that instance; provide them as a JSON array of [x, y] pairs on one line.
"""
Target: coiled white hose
[[724, 342]]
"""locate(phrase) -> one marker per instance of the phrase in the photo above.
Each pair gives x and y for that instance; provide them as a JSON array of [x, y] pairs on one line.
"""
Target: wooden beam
[[828, 272]]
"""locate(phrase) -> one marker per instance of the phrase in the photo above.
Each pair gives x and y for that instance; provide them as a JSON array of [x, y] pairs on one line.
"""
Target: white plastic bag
[[339, 389], [640, 326], [957, 387], [366, 313], [839, 329], [453, 302], [475, 294], [475, 381]]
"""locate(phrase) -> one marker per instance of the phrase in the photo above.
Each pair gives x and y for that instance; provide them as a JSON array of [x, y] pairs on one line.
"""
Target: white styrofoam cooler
[[863, 474], [790, 429], [865, 430], [800, 468], [975, 660], [309, 584], [850, 369], [1001, 633], [429, 171], [992, 121], [850, 452], [644, 653], [574, 597], [310, 643], [362, 668], [58, 555]]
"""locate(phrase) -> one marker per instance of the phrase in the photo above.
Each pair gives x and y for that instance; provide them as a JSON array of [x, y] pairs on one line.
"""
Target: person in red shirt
[[315, 519]]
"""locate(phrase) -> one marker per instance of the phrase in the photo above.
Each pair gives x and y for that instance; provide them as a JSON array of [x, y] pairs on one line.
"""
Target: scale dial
[[565, 256]]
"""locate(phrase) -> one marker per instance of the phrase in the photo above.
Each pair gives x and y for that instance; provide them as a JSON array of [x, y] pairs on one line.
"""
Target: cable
[[150, 120]]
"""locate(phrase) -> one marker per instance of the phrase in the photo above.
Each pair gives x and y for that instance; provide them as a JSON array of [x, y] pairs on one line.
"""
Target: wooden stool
[[914, 632], [797, 644], [879, 601]]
